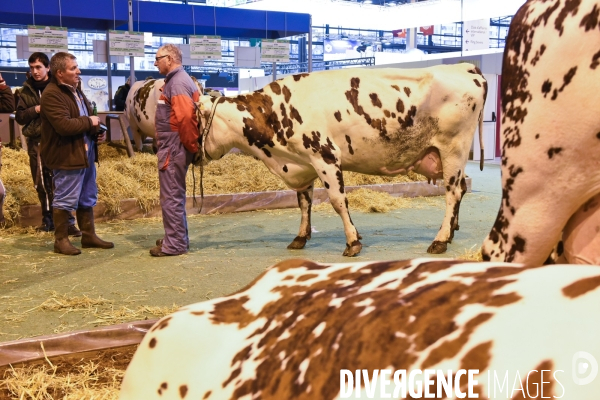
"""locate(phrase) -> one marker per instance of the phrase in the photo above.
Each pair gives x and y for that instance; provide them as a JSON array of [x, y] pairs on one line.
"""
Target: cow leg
[[581, 235], [456, 187], [137, 137], [333, 180], [305, 204]]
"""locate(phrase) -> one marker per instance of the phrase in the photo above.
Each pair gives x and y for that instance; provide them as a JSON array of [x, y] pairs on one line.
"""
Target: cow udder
[[429, 165]]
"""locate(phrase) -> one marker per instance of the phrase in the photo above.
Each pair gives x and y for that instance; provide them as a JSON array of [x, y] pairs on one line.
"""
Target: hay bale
[[84, 376], [16, 176], [121, 177], [376, 202], [472, 254], [367, 200]]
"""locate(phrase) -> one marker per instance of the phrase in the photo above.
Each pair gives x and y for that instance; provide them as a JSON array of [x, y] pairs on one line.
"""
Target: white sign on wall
[[476, 35], [47, 39], [275, 50], [203, 47], [124, 43]]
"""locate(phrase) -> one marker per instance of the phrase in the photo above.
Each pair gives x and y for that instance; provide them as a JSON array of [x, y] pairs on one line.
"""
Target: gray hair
[[173, 51], [58, 62]]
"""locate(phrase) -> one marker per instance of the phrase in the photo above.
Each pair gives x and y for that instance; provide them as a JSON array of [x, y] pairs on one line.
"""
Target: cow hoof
[[437, 247], [298, 243], [353, 249]]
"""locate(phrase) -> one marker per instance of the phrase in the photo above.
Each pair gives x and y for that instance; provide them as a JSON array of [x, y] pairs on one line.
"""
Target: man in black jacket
[[121, 95], [28, 115]]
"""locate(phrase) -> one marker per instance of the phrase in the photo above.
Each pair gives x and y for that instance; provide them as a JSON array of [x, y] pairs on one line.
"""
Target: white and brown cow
[[288, 334], [371, 121], [140, 108], [551, 135]]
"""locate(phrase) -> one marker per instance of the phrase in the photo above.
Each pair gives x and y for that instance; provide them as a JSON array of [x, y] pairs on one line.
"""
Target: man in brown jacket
[[69, 148]]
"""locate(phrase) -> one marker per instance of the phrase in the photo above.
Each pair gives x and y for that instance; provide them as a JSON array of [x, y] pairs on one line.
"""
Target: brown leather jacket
[[63, 129]]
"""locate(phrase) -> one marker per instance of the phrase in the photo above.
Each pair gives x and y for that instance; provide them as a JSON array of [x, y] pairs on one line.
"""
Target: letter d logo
[[584, 364]]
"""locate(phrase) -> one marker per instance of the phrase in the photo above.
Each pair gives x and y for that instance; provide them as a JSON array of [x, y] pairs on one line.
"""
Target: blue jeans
[[76, 188]]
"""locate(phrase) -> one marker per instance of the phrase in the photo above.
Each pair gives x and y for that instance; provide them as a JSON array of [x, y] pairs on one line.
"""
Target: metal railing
[[284, 68], [13, 128], [109, 141], [299, 67]]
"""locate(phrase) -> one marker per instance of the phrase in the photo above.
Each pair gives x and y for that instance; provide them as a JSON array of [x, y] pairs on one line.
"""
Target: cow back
[[289, 333]]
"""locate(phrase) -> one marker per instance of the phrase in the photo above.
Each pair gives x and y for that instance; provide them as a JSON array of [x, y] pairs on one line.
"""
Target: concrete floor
[[44, 293]]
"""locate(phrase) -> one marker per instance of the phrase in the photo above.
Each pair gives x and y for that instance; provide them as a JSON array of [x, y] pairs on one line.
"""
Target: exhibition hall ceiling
[[406, 14], [386, 3]]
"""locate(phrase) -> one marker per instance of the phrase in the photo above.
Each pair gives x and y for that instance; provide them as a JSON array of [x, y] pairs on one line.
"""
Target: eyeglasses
[[158, 58]]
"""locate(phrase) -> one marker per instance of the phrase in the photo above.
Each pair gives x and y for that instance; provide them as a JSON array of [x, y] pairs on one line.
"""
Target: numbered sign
[[47, 39], [123, 43], [203, 47], [275, 50]]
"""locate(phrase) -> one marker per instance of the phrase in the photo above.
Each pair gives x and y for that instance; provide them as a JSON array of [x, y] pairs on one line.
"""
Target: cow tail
[[481, 139]]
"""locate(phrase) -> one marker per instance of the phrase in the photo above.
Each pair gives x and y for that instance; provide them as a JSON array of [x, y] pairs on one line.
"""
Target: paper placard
[[203, 47], [246, 57], [47, 39], [124, 43], [476, 35], [274, 50]]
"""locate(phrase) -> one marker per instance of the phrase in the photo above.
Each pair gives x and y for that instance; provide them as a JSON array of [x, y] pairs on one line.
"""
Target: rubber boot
[[85, 220], [62, 244], [73, 231], [47, 212]]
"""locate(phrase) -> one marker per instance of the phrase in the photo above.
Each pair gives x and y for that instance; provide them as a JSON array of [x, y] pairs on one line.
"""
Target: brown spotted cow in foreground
[[551, 135], [140, 108], [288, 334], [371, 121]]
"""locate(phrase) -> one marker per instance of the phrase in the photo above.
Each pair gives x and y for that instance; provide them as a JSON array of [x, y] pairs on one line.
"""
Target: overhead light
[[367, 1]]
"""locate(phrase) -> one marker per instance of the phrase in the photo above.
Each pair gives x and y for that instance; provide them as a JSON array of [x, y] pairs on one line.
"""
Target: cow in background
[[551, 136], [140, 107], [372, 121], [290, 332]]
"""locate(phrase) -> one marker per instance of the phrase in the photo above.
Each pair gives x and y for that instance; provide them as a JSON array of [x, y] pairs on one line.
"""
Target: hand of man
[[37, 109], [101, 137], [95, 120]]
